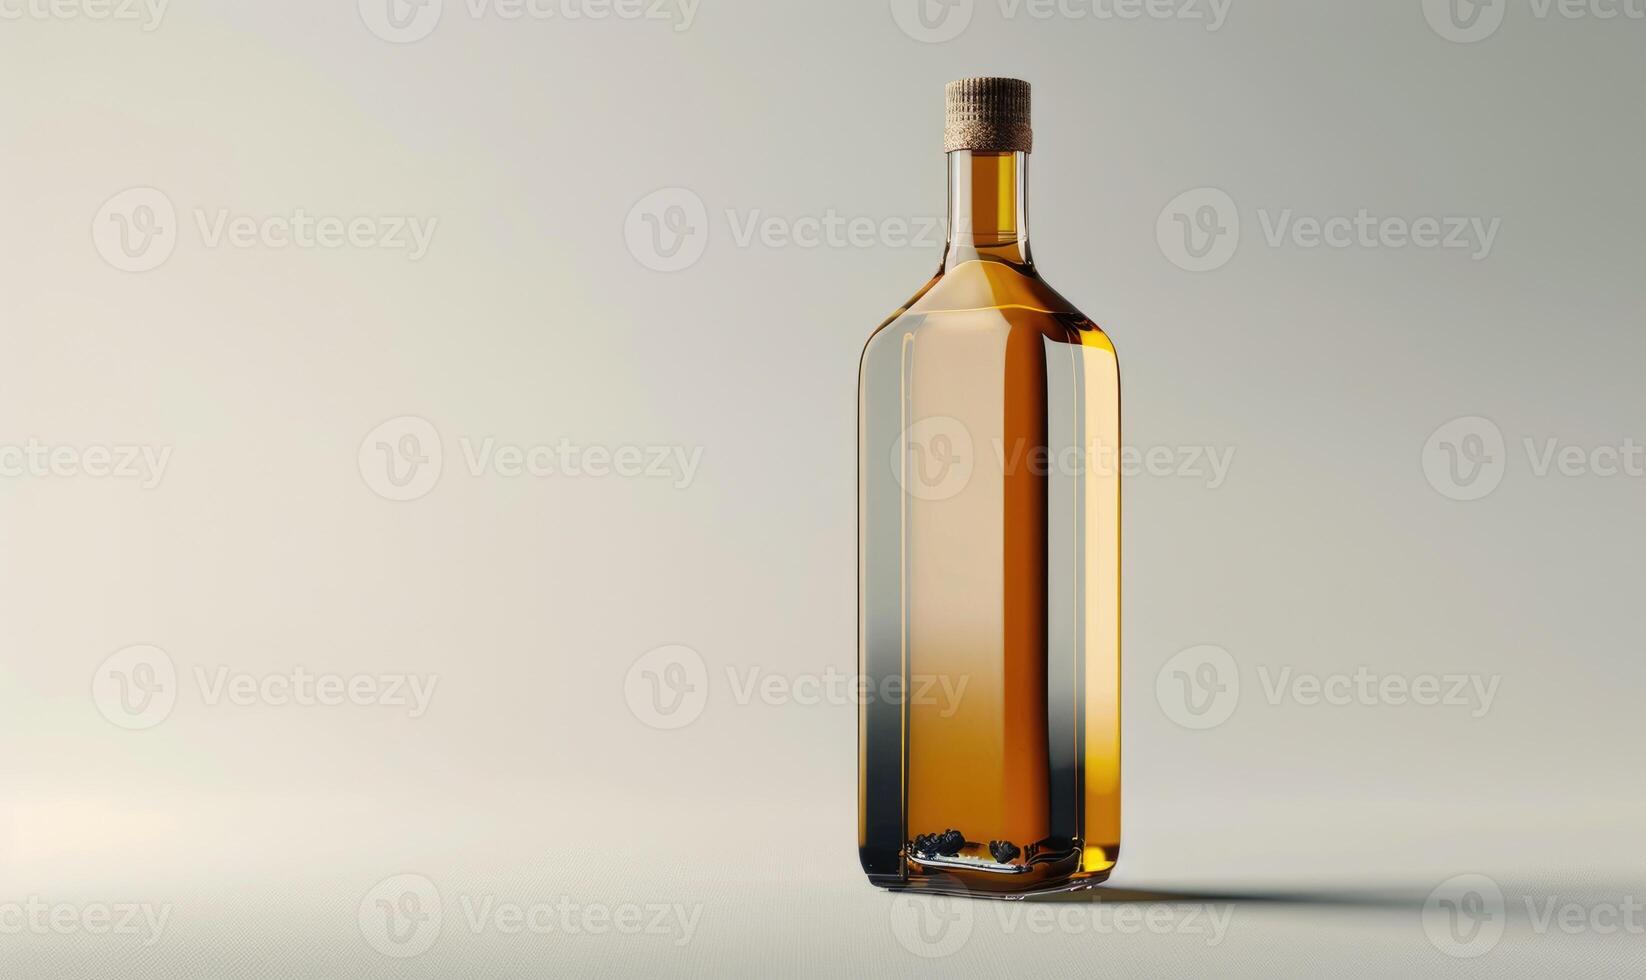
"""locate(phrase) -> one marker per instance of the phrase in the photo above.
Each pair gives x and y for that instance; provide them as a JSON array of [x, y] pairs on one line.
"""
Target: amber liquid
[[989, 570]]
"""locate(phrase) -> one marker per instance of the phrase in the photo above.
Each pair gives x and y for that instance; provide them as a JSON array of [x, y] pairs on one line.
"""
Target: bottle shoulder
[[994, 294]]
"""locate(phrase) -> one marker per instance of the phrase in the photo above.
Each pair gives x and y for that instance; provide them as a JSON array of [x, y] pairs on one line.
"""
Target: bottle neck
[[988, 208]]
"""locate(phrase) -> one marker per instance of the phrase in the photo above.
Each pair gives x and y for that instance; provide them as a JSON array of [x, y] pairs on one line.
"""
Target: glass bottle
[[989, 553]]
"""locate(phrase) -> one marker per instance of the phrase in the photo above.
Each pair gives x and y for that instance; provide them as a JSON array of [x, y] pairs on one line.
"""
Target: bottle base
[[967, 876], [949, 885]]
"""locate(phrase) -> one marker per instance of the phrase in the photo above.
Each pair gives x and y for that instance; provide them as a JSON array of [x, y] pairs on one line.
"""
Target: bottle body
[[989, 551]]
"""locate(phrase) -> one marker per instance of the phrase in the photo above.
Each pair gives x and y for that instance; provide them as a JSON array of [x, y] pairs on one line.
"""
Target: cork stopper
[[989, 114]]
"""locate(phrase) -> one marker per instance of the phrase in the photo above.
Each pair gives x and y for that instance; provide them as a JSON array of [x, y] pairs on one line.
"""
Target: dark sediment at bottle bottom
[[946, 863]]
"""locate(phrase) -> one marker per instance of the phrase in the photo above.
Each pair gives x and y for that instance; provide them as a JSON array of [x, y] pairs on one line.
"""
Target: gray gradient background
[[530, 778]]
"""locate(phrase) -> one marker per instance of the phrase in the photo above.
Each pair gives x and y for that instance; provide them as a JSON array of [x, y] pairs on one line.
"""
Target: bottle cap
[[990, 114]]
